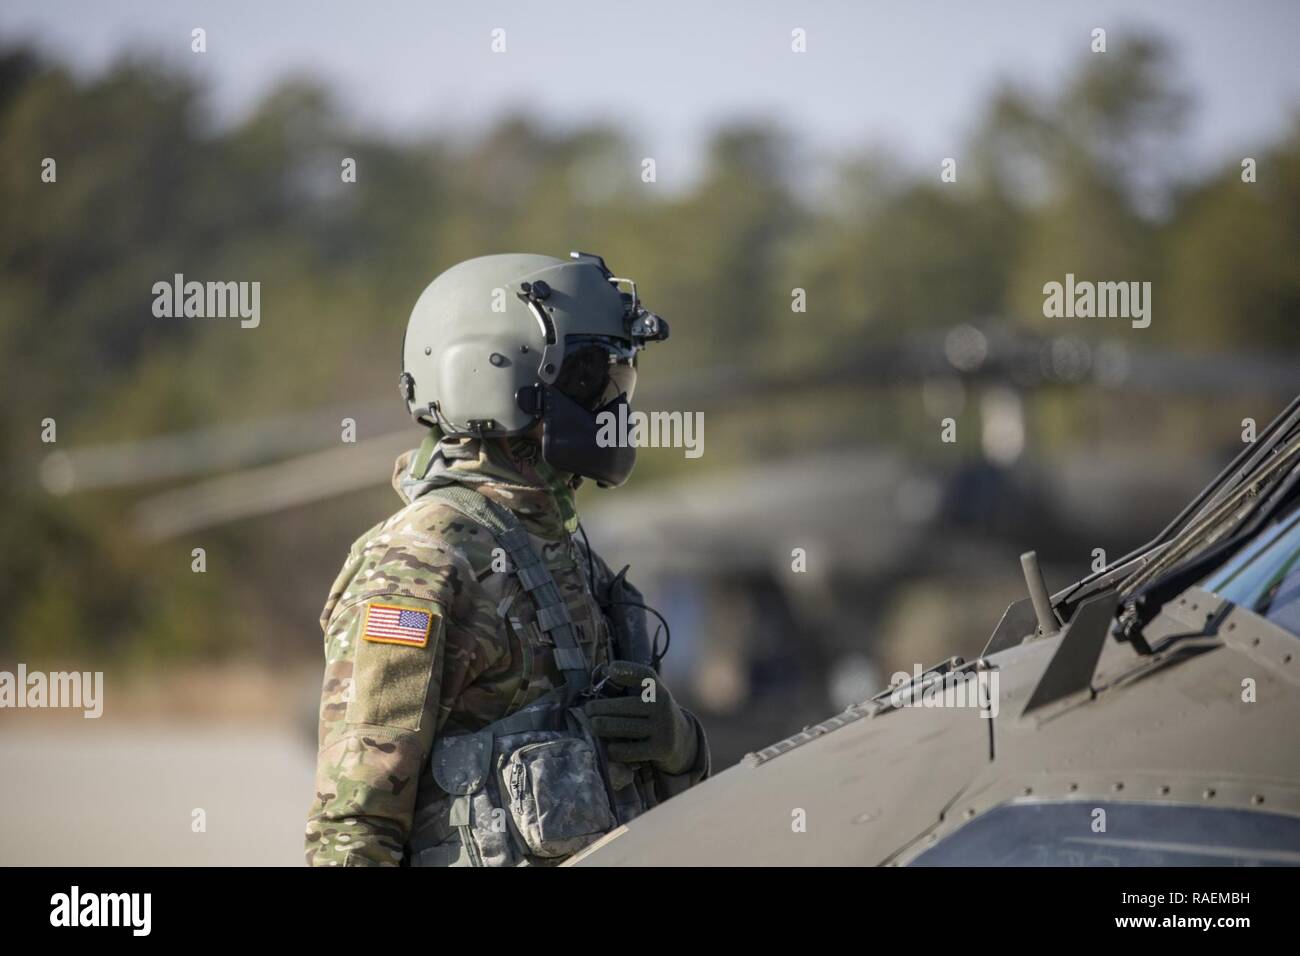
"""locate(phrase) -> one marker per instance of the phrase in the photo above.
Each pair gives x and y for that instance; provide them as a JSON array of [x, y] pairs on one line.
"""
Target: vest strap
[[534, 576]]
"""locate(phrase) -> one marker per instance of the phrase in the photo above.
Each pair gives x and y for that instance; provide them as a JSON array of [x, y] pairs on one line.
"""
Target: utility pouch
[[461, 766], [556, 796]]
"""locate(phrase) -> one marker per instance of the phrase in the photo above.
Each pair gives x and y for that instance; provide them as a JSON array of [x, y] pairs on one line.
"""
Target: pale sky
[[906, 73]]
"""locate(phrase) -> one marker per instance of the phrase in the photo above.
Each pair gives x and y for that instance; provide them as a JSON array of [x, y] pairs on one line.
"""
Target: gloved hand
[[645, 725]]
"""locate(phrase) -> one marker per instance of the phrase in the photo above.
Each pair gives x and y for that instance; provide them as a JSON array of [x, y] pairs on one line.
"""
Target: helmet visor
[[596, 371]]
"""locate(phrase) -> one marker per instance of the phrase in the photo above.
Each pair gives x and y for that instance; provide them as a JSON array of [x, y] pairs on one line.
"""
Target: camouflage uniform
[[383, 704]]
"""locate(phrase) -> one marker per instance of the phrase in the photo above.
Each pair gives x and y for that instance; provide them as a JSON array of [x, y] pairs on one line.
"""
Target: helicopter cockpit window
[[1264, 577], [1030, 833]]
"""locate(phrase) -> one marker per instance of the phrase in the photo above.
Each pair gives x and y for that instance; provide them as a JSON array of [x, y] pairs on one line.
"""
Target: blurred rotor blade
[[206, 450], [1024, 361], [271, 488]]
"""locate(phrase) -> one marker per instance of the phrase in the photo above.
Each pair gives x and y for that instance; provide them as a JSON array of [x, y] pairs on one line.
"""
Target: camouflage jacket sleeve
[[388, 679]]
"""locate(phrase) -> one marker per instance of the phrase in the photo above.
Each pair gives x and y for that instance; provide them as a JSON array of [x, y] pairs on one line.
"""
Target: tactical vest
[[536, 786]]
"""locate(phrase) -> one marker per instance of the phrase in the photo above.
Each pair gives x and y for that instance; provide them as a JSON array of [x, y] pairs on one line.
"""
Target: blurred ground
[[122, 789], [124, 794]]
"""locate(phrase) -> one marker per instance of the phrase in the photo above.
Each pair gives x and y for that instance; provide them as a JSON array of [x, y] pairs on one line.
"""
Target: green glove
[[646, 725]]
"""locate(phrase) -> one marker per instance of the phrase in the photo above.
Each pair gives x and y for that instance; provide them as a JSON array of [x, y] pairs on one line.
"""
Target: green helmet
[[496, 344]]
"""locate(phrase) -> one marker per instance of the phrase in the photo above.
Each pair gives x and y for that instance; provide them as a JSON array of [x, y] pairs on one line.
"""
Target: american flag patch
[[391, 624]]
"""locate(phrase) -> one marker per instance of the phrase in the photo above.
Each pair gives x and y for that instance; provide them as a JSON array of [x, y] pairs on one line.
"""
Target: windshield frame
[[1282, 434]]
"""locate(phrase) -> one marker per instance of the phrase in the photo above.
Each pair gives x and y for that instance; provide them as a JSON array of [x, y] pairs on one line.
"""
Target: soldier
[[491, 694]]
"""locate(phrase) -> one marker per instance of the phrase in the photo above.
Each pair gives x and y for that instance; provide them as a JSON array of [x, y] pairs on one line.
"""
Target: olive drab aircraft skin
[[1146, 715]]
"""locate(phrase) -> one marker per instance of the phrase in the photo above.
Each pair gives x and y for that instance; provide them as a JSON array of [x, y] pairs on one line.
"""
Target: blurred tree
[[1234, 277]]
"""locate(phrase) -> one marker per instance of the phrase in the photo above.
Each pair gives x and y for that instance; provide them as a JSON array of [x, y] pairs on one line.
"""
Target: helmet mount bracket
[[533, 294]]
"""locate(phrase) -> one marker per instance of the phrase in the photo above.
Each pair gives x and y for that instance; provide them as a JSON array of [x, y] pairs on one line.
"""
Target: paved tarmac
[[95, 793]]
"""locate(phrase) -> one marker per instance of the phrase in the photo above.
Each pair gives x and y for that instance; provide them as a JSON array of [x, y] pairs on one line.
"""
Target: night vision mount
[[642, 325]]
